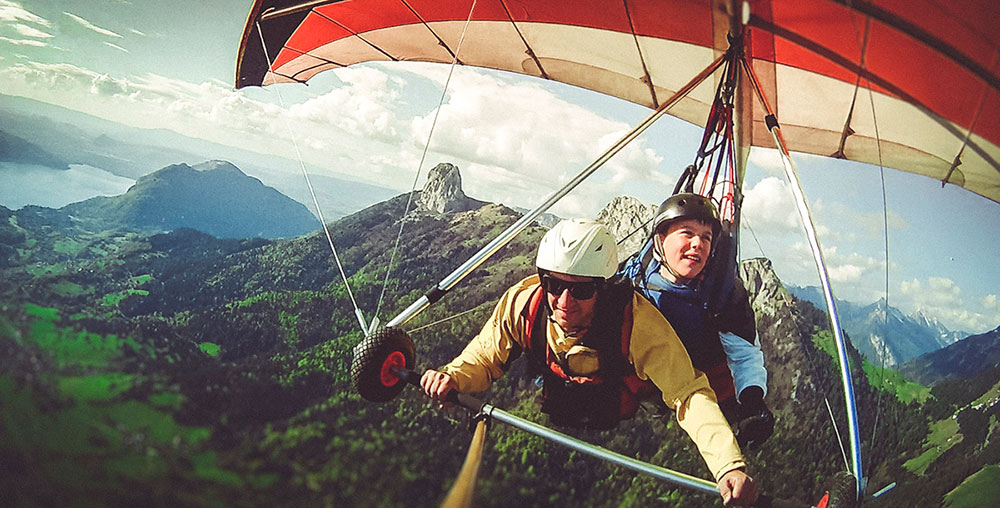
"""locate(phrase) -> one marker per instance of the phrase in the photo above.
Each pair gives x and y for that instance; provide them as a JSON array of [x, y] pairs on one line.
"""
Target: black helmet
[[688, 206]]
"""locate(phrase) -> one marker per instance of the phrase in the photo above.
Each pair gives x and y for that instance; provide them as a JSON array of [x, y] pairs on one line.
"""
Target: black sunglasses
[[578, 290]]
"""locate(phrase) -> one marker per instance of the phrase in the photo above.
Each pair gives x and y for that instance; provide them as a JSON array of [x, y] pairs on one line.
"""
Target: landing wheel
[[842, 493], [376, 362]]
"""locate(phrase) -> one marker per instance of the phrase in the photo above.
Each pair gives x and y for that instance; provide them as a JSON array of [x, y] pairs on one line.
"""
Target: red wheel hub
[[394, 361], [824, 501]]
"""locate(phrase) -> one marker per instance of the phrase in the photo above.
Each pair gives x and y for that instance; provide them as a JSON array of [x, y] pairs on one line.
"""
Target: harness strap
[[538, 314], [613, 355], [721, 381]]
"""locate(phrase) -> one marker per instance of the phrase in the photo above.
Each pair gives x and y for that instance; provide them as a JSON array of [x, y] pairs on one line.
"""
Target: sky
[[152, 64]]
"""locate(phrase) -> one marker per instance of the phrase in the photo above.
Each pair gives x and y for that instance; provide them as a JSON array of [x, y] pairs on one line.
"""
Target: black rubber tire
[[371, 354], [843, 491]]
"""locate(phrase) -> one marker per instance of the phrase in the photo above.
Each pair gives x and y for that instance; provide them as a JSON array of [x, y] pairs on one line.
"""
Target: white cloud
[[941, 298], [769, 205], [91, 26], [327, 133], [137, 32], [507, 152], [845, 273], [364, 105], [14, 11], [117, 47], [850, 238], [104, 85], [854, 277], [29, 31], [992, 304], [67, 78], [767, 159], [539, 139], [23, 42]]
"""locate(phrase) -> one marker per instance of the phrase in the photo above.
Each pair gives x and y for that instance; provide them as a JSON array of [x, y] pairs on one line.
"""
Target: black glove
[[755, 422]]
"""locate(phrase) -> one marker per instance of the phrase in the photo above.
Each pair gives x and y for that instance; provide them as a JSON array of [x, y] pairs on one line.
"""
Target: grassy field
[[976, 490], [888, 380], [944, 434], [989, 396]]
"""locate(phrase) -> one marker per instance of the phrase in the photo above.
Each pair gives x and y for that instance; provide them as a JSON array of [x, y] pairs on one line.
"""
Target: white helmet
[[578, 247]]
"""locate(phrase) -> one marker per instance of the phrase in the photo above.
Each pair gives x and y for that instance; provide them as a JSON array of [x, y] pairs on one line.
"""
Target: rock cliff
[[443, 192], [627, 218]]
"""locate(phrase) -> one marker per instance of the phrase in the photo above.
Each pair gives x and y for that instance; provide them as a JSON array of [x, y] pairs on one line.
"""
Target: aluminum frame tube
[[514, 229], [483, 409], [572, 443], [807, 223]]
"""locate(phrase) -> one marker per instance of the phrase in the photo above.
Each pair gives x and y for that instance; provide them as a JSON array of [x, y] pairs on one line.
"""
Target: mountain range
[[964, 359], [17, 149], [883, 333], [49, 136], [213, 197], [187, 370], [217, 198]]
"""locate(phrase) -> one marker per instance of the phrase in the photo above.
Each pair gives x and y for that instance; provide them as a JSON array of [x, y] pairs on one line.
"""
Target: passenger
[[723, 345]]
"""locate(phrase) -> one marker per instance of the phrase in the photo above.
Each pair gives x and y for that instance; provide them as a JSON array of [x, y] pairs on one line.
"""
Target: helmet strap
[[657, 255]]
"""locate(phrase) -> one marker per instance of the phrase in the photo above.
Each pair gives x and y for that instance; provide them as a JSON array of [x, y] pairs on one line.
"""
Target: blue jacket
[[723, 345]]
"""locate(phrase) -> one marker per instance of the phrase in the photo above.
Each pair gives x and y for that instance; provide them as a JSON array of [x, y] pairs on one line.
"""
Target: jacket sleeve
[[738, 334], [485, 358], [658, 354], [746, 362]]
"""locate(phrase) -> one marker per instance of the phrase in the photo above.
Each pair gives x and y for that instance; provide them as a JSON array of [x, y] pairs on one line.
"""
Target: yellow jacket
[[655, 351]]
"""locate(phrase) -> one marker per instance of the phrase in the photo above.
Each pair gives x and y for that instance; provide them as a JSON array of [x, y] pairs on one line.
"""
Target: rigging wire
[[846, 132], [423, 157], [863, 40], [428, 325], [885, 317], [743, 221], [508, 234], [716, 153], [312, 192], [808, 224], [885, 240], [642, 227], [527, 47], [836, 432]]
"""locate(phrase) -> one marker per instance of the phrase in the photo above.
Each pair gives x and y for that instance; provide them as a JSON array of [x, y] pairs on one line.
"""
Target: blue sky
[[170, 65]]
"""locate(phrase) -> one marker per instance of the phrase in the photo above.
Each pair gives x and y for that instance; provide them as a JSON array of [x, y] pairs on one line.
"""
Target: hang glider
[[933, 68], [910, 85]]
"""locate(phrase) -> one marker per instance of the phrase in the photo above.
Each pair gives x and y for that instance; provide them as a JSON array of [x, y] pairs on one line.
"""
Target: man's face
[[685, 247], [572, 314]]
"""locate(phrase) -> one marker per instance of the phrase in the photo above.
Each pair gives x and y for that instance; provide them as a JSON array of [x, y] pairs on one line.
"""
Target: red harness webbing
[[632, 388]]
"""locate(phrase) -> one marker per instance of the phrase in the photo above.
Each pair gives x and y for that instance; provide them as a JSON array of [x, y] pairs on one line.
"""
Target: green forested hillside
[[180, 369]]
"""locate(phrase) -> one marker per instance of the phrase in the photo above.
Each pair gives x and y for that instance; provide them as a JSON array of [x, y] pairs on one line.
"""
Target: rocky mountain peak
[[217, 165], [167, 170], [443, 191], [767, 293], [626, 216]]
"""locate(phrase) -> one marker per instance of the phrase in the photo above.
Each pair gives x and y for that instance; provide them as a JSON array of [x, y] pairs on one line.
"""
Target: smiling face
[[571, 314], [685, 247]]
